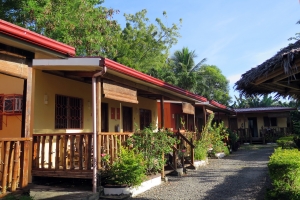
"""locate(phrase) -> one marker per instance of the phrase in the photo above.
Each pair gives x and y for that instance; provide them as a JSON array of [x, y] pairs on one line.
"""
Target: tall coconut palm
[[184, 68]]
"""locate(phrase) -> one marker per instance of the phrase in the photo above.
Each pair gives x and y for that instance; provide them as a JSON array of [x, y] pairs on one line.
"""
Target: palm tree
[[185, 69]]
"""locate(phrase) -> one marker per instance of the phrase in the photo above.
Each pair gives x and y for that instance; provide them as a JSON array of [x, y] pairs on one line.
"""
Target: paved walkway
[[241, 175]]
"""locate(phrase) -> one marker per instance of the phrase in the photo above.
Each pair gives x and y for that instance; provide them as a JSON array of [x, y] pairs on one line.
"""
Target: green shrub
[[14, 197], [286, 142], [226, 150], [200, 151], [152, 145], [284, 168], [128, 168]]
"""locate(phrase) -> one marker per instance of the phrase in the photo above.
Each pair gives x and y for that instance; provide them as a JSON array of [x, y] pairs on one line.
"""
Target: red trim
[[34, 38], [214, 103], [144, 77]]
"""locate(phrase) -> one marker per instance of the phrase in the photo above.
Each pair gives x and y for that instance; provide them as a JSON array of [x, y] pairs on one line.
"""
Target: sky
[[234, 35]]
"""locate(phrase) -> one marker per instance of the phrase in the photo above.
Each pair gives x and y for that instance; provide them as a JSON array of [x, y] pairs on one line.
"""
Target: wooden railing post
[[16, 166], [5, 167], [50, 152], [43, 152], [57, 151], [192, 152]]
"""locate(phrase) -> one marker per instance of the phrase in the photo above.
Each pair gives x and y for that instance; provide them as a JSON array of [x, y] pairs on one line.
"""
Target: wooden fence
[[13, 163]]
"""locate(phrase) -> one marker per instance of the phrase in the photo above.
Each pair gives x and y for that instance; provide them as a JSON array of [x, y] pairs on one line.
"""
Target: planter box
[[200, 163], [220, 155], [133, 191]]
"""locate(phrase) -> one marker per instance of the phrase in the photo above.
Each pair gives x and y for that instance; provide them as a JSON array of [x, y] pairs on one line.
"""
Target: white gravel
[[241, 175]]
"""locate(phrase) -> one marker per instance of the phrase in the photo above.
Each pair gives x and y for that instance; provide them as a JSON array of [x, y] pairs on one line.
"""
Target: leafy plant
[[286, 142], [152, 145], [284, 168], [14, 197], [128, 169], [200, 151]]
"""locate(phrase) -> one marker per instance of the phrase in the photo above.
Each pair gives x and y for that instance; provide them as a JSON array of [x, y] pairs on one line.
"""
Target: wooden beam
[[269, 76], [145, 88], [204, 116], [13, 66], [162, 112], [270, 88], [80, 73], [28, 129], [282, 76], [291, 86]]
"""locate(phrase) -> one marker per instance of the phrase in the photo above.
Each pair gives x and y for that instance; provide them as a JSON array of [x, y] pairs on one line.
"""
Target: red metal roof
[[263, 109], [144, 77], [214, 103], [34, 38]]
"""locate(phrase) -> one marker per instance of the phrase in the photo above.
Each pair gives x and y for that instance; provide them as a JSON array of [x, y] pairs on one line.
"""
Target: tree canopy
[[256, 102], [213, 84], [142, 45], [83, 24]]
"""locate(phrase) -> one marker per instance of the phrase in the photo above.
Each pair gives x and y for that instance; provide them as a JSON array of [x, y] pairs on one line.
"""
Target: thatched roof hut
[[279, 74]]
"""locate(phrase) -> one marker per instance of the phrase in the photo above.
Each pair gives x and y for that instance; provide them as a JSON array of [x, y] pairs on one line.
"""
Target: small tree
[[152, 145]]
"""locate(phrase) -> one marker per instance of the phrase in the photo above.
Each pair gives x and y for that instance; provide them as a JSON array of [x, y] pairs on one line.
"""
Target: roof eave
[[34, 38]]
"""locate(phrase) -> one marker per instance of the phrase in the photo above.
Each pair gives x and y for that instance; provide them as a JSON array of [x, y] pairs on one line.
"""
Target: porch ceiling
[[69, 64], [83, 69]]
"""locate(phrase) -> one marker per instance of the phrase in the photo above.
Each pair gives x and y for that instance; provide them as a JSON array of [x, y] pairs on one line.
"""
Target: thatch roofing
[[278, 74]]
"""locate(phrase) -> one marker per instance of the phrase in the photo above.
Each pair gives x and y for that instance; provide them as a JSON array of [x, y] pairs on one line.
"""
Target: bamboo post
[[192, 152], [89, 157], [65, 153], [50, 152], [25, 164], [1, 144], [80, 152], [16, 166], [34, 152], [5, 167], [99, 150], [72, 149], [10, 166], [57, 151], [37, 161], [43, 152], [86, 152]]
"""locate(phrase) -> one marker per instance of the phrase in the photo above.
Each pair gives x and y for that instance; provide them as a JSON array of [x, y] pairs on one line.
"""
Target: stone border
[[134, 191]]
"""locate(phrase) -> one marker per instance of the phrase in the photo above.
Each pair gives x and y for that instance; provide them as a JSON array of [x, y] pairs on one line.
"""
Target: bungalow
[[72, 109], [260, 125]]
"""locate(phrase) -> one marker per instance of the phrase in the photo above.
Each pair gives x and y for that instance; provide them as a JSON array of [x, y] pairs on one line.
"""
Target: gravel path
[[241, 175]]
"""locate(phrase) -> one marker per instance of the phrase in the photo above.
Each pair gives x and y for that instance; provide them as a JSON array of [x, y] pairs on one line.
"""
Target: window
[[68, 112], [145, 118], [270, 121], [11, 104]]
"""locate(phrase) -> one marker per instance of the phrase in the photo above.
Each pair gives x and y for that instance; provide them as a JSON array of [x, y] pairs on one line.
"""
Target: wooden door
[[127, 119]]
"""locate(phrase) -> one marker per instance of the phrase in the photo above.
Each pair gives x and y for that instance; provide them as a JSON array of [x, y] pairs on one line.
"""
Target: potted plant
[[127, 171]]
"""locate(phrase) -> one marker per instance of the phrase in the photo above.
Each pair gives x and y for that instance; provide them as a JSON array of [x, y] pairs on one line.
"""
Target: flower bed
[[133, 191]]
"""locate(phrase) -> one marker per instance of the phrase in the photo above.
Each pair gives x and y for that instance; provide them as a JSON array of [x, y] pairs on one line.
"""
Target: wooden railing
[[244, 135], [109, 144], [272, 134], [72, 151], [13, 163], [186, 144]]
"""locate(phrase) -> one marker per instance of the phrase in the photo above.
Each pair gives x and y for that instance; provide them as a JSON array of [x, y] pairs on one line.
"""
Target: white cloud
[[234, 78]]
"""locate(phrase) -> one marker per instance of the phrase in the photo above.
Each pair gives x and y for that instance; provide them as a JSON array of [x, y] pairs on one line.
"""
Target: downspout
[[94, 78]]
